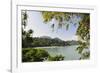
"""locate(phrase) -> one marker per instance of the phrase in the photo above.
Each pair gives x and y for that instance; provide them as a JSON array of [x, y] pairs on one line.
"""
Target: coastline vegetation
[[38, 55], [46, 41]]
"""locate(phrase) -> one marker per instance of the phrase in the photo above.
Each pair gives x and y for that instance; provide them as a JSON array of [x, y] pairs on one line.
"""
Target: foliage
[[85, 55], [61, 17], [38, 55], [26, 35], [40, 41], [56, 58], [81, 47], [24, 18], [27, 38], [83, 30], [34, 55]]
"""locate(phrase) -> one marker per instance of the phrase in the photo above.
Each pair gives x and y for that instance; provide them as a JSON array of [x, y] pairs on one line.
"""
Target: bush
[[38, 55], [56, 58], [34, 55]]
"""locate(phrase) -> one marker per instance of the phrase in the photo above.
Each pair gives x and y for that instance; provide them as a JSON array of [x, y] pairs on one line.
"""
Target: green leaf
[[67, 26]]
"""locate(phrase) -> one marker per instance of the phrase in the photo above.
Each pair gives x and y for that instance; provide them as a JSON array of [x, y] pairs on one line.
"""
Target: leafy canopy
[[83, 30]]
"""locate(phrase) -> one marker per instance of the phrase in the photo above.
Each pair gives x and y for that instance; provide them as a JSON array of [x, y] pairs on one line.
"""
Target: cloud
[[72, 38]]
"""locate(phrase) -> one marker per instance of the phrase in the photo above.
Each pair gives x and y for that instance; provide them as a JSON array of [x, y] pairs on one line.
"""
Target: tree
[[26, 35], [24, 18], [83, 31]]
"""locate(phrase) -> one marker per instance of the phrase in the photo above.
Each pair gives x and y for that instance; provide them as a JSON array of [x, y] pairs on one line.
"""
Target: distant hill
[[73, 42], [48, 41]]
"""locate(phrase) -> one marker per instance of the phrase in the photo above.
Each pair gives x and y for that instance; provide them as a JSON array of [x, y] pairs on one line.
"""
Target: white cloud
[[72, 38]]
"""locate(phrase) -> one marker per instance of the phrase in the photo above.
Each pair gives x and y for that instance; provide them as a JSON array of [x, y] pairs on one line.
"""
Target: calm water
[[69, 52]]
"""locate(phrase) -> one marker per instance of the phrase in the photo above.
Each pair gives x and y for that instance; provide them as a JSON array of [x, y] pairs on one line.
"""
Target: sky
[[35, 22]]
